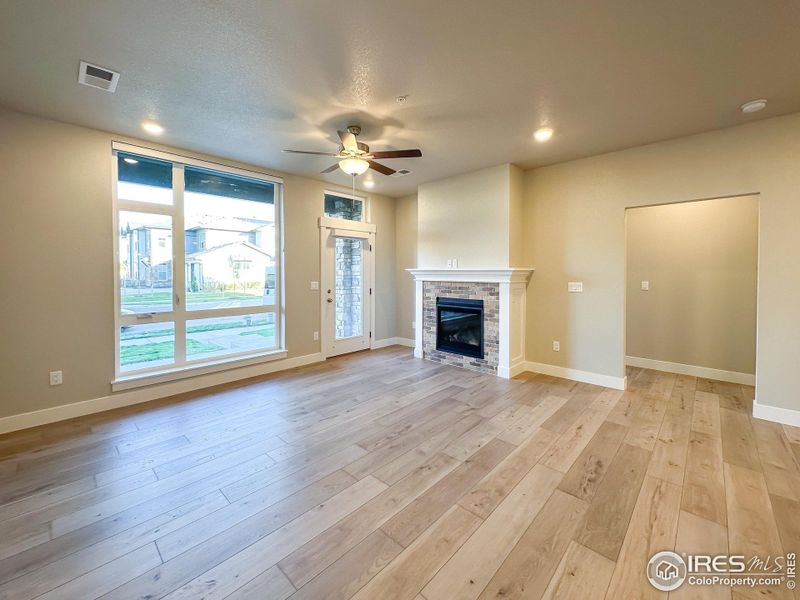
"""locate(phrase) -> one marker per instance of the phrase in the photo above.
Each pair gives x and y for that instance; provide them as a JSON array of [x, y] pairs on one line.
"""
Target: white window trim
[[365, 214], [225, 363], [182, 367]]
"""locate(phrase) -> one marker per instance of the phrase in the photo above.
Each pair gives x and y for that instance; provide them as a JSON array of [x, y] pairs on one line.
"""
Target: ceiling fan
[[355, 157]]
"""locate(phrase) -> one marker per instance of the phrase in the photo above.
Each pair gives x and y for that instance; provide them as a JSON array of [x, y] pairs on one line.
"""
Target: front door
[[346, 291]]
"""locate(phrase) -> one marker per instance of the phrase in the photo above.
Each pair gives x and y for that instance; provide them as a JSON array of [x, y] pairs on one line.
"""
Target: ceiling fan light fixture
[[353, 166]]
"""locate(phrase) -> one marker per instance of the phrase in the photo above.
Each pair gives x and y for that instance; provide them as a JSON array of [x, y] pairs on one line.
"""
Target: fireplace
[[459, 326]]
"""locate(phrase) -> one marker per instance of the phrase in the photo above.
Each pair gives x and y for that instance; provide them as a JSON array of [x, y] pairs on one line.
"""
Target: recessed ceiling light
[[753, 106], [369, 184], [153, 128], [543, 134], [130, 161]]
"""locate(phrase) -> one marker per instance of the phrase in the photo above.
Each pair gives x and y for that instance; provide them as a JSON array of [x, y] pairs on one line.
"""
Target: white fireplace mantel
[[516, 275], [512, 283]]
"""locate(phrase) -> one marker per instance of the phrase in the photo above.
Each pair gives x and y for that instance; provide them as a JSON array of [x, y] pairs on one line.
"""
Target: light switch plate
[[575, 286], [645, 286], [315, 285]]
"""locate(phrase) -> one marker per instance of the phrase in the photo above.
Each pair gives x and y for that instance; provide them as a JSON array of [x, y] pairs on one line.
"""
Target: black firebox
[[459, 326]]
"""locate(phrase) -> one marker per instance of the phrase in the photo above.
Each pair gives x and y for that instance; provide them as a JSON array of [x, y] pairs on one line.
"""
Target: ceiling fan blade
[[416, 153], [380, 168], [348, 140], [331, 169], [310, 152]]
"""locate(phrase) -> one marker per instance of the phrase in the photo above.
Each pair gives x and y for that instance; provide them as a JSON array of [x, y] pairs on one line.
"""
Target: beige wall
[[701, 262], [406, 255], [516, 212], [575, 230], [56, 272], [467, 218]]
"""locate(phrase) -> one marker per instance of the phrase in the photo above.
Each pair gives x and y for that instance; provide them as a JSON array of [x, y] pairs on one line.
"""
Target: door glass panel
[[230, 241], [348, 263], [145, 262], [220, 336], [146, 346]]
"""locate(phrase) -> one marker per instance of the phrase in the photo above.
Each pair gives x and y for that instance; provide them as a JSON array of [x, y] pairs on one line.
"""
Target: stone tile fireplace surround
[[503, 295]]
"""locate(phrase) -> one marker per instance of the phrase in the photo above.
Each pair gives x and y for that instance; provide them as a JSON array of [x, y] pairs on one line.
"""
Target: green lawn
[[266, 332], [129, 298], [140, 335], [160, 350]]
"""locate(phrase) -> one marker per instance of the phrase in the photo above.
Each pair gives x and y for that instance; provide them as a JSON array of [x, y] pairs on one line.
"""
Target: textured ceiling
[[243, 79]]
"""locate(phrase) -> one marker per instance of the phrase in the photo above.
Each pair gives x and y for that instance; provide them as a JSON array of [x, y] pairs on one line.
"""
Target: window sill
[[127, 382]]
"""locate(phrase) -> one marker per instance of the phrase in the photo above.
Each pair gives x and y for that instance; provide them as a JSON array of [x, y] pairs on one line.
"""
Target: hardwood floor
[[379, 476]]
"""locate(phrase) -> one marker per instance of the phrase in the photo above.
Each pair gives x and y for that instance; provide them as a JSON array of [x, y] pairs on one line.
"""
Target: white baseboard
[[681, 369], [392, 341], [785, 416], [609, 381], [145, 394], [512, 371]]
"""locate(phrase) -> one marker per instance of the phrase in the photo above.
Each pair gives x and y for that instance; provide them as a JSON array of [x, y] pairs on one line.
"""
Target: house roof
[[215, 248], [228, 224]]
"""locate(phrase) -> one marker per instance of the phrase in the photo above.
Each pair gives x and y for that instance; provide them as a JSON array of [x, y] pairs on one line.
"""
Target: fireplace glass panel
[[459, 326]]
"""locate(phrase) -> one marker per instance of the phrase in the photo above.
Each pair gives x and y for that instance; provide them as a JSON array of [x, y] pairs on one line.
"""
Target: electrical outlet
[[315, 285], [449, 263], [413, 324], [56, 378], [455, 263], [556, 346], [645, 286], [574, 286], [316, 336]]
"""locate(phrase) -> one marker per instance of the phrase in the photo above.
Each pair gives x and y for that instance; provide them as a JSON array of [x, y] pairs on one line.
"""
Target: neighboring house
[[146, 256], [209, 233], [221, 253], [237, 265]]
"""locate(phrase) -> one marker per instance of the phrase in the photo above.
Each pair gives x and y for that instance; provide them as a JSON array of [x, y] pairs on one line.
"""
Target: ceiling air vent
[[98, 77], [401, 173]]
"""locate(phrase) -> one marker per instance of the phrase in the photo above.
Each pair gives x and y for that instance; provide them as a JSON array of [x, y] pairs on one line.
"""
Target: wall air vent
[[98, 77], [401, 173]]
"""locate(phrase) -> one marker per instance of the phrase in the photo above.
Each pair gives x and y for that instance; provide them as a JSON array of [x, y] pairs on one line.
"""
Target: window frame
[[179, 315], [365, 212]]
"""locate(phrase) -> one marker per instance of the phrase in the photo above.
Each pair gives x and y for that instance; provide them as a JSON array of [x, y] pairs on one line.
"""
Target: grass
[[132, 335], [129, 298], [266, 332], [160, 350]]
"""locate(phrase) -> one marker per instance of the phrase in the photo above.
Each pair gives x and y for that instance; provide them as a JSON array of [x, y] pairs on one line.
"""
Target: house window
[[342, 206], [222, 225]]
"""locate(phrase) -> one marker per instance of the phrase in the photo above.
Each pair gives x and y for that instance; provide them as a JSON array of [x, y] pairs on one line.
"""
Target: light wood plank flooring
[[379, 476]]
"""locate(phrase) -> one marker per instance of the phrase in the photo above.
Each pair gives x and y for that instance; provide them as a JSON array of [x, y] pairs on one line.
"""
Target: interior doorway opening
[[691, 288]]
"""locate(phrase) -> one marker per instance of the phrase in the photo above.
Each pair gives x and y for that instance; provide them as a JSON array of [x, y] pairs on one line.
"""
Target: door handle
[[330, 299]]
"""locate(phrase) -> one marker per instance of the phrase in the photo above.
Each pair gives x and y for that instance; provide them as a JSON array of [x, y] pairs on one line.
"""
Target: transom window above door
[[343, 206], [198, 263]]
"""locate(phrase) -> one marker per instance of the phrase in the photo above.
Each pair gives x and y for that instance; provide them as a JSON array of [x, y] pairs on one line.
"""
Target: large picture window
[[198, 250]]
